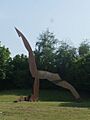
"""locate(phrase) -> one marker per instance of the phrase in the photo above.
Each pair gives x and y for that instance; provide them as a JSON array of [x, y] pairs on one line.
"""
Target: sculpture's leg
[[68, 86], [35, 95], [32, 67], [55, 78]]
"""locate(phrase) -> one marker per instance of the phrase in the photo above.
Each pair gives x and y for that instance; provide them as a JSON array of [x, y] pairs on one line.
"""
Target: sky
[[69, 20]]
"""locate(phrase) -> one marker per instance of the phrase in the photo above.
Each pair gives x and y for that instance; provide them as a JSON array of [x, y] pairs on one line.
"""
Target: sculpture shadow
[[78, 104], [62, 96], [56, 95], [46, 95], [84, 102]]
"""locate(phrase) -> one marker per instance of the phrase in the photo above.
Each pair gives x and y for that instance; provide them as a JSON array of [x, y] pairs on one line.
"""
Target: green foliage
[[4, 58], [65, 57], [84, 48], [82, 72], [45, 51], [21, 75]]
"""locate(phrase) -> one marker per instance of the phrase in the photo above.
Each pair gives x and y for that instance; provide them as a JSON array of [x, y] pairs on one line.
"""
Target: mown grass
[[52, 105]]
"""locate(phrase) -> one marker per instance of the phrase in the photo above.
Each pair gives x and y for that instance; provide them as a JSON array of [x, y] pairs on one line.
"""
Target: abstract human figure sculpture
[[40, 75]]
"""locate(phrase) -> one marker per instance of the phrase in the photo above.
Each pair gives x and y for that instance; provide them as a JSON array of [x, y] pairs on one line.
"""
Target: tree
[[4, 58], [82, 72], [84, 48], [45, 51], [21, 75], [65, 57]]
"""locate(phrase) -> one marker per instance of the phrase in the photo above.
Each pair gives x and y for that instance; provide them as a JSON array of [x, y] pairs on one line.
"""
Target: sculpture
[[40, 75]]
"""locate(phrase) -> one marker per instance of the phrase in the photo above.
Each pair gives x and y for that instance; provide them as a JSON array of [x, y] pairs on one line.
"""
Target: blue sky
[[68, 19]]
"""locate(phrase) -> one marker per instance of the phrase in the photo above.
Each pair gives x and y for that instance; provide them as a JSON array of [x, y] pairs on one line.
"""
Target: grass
[[52, 105]]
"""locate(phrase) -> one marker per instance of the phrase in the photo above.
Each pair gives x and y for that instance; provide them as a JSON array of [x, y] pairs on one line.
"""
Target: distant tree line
[[73, 64]]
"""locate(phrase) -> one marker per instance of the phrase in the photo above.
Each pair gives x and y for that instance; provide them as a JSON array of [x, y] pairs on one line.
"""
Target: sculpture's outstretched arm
[[32, 66]]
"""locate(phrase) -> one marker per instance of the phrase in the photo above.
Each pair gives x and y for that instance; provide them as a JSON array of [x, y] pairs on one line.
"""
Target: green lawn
[[52, 105]]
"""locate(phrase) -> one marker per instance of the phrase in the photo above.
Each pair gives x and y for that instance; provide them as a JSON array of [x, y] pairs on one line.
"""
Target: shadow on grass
[[45, 95], [82, 104], [55, 95]]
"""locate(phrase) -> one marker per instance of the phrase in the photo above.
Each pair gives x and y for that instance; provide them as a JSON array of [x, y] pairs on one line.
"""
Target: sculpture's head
[[19, 33]]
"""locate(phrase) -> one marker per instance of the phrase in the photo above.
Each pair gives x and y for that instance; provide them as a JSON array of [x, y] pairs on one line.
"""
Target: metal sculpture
[[40, 75]]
